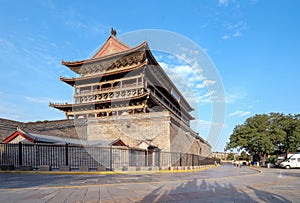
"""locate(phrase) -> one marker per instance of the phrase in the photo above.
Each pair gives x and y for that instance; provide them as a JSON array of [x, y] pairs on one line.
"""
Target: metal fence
[[75, 156]]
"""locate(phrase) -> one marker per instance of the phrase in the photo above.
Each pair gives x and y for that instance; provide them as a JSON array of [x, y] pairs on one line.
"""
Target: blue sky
[[254, 45]]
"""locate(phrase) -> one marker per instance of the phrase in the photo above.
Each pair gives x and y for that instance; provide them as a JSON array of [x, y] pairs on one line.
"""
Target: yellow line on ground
[[255, 169], [128, 183], [104, 172]]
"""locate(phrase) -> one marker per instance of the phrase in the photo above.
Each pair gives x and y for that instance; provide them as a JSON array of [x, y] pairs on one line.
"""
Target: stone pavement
[[221, 184]]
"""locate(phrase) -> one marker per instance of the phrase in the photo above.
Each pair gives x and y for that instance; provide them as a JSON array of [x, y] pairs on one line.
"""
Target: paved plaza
[[220, 184]]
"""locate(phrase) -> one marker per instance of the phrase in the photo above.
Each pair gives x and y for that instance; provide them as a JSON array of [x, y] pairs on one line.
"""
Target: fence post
[[180, 159], [193, 164], [67, 154], [20, 154], [158, 157], [133, 157], [146, 158], [111, 158]]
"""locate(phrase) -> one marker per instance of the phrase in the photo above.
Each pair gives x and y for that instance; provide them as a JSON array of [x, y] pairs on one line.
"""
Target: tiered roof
[[115, 57]]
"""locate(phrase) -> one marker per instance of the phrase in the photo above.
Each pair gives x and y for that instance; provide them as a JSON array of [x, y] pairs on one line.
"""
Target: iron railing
[[108, 157]]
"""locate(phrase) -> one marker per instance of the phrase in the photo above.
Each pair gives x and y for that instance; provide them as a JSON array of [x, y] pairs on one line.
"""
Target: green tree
[[267, 134], [251, 136], [230, 156], [276, 133], [244, 156], [290, 125]]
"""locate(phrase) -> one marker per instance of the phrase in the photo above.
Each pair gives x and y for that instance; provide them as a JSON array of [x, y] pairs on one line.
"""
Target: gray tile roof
[[39, 138]]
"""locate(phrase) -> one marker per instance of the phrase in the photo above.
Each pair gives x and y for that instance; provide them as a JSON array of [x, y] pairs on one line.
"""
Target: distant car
[[240, 162], [292, 162], [278, 161]]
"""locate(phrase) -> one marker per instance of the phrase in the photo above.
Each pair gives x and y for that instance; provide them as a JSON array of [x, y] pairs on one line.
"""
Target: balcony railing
[[107, 89]]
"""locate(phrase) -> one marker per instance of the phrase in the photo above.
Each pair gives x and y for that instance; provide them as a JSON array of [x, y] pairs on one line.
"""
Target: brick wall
[[182, 141], [132, 129], [152, 128]]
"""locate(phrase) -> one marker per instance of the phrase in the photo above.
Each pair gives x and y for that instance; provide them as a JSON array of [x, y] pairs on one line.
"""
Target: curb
[[254, 169], [103, 172]]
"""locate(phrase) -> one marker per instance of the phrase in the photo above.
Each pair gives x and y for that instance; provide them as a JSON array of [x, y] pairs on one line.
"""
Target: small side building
[[21, 136]]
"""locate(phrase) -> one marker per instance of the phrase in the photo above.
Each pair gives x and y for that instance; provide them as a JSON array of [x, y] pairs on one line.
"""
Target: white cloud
[[46, 100], [191, 60], [49, 4], [223, 2], [245, 113], [207, 97], [239, 113], [6, 45], [38, 99], [225, 37], [233, 3], [200, 86], [78, 22], [205, 124], [237, 34], [236, 29], [209, 82], [208, 94], [8, 109], [68, 43], [234, 94], [192, 85], [184, 70]]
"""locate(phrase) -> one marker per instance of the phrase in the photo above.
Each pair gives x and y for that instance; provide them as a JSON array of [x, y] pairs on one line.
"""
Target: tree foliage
[[230, 156], [244, 156], [267, 134]]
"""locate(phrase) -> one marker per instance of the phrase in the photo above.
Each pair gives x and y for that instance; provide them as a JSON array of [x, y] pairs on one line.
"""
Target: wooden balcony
[[109, 89]]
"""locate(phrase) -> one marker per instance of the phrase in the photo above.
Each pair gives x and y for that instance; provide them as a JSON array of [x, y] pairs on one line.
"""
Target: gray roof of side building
[[61, 140]]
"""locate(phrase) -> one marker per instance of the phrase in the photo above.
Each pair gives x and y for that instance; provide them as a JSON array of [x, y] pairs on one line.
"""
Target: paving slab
[[219, 184], [77, 195]]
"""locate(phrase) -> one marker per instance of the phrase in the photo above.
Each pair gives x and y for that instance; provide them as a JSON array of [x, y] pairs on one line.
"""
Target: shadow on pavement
[[203, 191], [267, 196]]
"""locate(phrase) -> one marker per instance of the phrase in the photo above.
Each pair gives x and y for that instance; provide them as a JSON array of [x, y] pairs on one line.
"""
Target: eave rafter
[[66, 106], [72, 81]]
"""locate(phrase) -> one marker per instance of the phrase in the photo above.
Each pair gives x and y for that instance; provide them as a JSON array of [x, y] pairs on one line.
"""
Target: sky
[[254, 45]]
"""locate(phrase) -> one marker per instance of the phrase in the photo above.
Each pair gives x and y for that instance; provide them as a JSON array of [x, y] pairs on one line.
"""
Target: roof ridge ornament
[[20, 130], [113, 32]]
